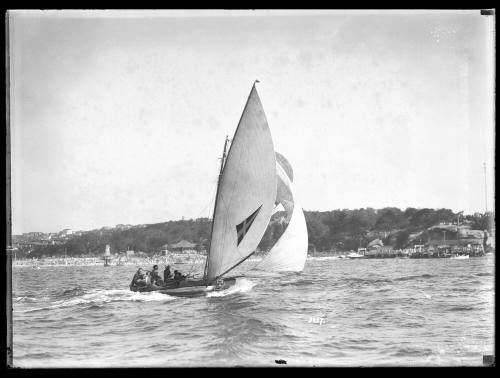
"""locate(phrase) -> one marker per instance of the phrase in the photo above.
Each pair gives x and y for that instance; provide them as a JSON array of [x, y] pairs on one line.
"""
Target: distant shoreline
[[134, 260], [143, 261], [96, 261]]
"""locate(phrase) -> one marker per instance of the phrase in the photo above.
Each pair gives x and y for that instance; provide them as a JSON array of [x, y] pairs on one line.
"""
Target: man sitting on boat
[[167, 274], [139, 279], [178, 277], [155, 277]]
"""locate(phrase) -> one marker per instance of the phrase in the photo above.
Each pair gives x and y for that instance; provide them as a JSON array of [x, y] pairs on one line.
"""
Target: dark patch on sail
[[243, 227]]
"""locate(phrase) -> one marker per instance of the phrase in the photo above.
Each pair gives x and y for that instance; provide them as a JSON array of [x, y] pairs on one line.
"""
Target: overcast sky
[[120, 117]]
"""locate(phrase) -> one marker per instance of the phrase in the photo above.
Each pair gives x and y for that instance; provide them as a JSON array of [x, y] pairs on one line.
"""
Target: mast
[[215, 204], [485, 191]]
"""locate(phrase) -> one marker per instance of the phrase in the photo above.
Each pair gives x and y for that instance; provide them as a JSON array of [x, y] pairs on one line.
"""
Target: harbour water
[[337, 312]]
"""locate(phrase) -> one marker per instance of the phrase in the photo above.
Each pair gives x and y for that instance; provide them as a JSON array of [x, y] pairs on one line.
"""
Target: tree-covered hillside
[[339, 230]]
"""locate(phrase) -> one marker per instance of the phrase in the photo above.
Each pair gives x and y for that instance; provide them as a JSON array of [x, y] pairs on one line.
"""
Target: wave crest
[[242, 285], [99, 297]]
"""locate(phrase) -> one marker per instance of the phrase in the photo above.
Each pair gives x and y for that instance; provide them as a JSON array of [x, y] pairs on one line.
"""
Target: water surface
[[391, 312]]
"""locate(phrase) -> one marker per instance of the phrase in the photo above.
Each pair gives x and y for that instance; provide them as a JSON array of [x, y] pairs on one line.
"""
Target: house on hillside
[[376, 248], [123, 226], [375, 244], [182, 246], [32, 235], [65, 232], [373, 248]]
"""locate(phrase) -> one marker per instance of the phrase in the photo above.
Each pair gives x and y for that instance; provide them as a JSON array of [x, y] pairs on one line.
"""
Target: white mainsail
[[290, 251], [246, 192]]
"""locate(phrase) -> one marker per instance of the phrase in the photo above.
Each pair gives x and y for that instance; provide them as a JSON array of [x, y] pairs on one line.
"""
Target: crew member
[[166, 273], [178, 277], [155, 276], [139, 279]]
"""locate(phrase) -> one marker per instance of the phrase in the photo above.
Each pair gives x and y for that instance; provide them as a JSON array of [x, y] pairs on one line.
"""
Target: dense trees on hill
[[328, 230], [149, 239]]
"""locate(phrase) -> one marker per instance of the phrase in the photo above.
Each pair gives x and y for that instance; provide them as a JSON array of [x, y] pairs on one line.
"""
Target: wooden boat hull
[[188, 288]]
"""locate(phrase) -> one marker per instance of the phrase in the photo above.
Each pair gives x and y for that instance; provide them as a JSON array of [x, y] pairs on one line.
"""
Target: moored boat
[[460, 257], [354, 255]]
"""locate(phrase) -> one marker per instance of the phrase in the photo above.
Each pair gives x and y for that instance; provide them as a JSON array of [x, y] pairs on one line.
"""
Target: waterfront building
[[182, 246]]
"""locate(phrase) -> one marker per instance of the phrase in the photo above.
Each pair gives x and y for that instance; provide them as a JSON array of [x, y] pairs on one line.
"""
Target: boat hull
[[188, 288], [460, 257], [355, 256]]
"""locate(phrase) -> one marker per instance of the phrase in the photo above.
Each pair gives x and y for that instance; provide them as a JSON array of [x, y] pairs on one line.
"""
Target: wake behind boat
[[246, 193]]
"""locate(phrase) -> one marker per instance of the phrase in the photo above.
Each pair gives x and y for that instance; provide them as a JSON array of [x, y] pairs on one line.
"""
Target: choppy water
[[336, 313]]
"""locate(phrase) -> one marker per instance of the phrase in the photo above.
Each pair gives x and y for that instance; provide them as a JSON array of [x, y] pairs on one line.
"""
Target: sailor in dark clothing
[[178, 277], [155, 276], [166, 273], [139, 279]]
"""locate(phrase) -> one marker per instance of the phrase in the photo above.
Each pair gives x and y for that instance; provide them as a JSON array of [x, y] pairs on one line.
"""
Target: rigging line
[[234, 266], [257, 263]]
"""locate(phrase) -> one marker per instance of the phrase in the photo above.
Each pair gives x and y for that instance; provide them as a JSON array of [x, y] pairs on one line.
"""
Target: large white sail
[[290, 251], [246, 193]]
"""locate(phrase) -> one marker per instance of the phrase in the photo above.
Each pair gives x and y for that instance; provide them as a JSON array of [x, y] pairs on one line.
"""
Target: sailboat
[[459, 257], [246, 193]]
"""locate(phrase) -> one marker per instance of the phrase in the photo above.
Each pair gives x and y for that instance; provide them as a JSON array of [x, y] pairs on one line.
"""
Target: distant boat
[[354, 255], [246, 193], [462, 257]]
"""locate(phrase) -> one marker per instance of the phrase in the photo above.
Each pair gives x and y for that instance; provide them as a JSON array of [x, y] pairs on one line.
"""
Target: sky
[[120, 116]]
